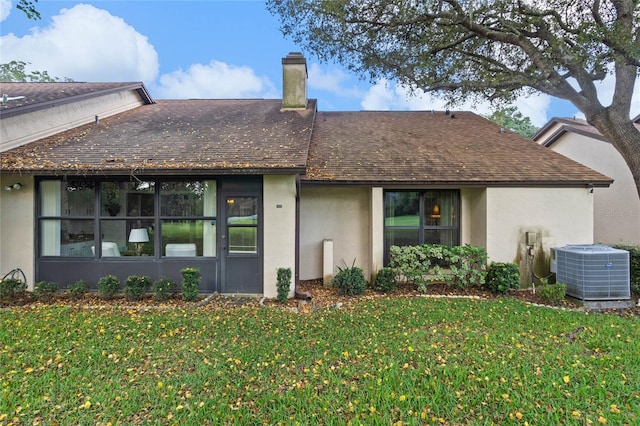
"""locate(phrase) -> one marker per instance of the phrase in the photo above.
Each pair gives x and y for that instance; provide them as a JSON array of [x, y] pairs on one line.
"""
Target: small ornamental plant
[[136, 286], [190, 282], [164, 288], [552, 293], [385, 280], [350, 280], [108, 286], [44, 291], [78, 289], [12, 288], [503, 276], [283, 284]]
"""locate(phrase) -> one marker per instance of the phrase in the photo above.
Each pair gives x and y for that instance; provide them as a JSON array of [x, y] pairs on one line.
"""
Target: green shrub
[[502, 277], [190, 281], [350, 280], [552, 293], [12, 288], [108, 286], [136, 286], [283, 283], [164, 288], [78, 289], [634, 266], [44, 290], [468, 265], [385, 280], [462, 266]]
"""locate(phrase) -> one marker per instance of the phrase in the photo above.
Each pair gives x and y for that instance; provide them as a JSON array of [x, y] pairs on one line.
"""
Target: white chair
[[109, 249], [180, 250]]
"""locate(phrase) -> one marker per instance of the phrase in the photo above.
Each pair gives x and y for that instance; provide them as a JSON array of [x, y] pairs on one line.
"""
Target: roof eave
[[134, 171], [464, 184], [139, 87]]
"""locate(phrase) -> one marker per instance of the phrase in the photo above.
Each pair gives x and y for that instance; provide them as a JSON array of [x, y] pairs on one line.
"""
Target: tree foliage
[[15, 71], [486, 49], [29, 8], [513, 119]]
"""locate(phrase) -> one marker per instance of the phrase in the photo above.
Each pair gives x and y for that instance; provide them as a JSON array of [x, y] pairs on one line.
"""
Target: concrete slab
[[604, 304]]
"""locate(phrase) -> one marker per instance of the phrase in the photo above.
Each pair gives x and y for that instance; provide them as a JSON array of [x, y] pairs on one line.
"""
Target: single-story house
[[616, 209], [100, 178]]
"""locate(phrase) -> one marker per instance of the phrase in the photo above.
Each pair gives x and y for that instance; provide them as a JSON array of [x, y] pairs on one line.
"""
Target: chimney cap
[[294, 58]]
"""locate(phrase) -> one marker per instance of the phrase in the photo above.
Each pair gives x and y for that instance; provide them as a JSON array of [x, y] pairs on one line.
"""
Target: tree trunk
[[624, 135]]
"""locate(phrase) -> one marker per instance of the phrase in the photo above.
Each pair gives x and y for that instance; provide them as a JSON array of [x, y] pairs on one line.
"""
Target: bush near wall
[[634, 265], [350, 280], [190, 282], [503, 276], [283, 283], [136, 286], [12, 288], [45, 290], [108, 286], [463, 266]]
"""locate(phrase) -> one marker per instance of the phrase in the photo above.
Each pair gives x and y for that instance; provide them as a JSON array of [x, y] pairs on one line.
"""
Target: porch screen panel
[[188, 218], [50, 229], [125, 207], [67, 225]]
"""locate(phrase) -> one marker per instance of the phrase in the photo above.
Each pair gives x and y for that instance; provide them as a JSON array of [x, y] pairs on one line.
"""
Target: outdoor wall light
[[16, 186]]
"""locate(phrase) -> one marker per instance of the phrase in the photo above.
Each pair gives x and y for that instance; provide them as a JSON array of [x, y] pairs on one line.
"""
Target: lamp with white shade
[[138, 237]]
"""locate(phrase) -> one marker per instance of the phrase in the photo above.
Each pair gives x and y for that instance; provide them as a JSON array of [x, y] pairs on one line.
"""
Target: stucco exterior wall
[[24, 128], [338, 214], [279, 206], [16, 226], [617, 208], [473, 222], [558, 216]]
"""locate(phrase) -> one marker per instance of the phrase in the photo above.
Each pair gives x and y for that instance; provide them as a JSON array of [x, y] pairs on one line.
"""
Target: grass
[[389, 361]]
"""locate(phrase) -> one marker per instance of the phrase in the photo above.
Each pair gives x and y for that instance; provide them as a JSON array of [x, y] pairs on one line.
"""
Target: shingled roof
[[256, 136], [186, 136], [433, 148], [574, 125], [29, 97]]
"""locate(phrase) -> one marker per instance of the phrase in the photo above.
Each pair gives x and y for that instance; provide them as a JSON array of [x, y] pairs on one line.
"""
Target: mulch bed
[[321, 297]]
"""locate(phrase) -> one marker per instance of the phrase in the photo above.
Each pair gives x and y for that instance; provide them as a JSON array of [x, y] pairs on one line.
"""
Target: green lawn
[[388, 361], [402, 221]]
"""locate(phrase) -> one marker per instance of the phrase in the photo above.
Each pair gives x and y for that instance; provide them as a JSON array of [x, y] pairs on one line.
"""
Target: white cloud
[[85, 43], [385, 96], [214, 80], [331, 80], [5, 9]]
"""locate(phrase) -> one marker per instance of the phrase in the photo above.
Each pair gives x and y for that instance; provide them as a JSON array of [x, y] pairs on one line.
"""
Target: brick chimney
[[294, 81]]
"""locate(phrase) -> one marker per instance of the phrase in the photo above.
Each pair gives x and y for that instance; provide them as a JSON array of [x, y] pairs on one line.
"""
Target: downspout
[[297, 293]]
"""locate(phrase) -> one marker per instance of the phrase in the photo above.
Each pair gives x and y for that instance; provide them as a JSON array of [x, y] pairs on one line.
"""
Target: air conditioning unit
[[593, 272]]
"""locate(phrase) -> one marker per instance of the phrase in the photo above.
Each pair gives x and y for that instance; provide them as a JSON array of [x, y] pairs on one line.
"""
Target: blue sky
[[200, 49]]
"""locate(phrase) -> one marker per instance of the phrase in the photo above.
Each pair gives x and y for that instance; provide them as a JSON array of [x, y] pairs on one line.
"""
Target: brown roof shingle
[[224, 136], [432, 148], [27, 97]]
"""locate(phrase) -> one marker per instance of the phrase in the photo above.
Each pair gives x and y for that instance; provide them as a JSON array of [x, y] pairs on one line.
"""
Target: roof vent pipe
[[294, 81]]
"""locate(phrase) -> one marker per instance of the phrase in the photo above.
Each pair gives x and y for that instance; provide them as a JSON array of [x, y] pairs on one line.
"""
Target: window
[[242, 224], [421, 217], [114, 218]]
